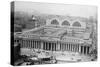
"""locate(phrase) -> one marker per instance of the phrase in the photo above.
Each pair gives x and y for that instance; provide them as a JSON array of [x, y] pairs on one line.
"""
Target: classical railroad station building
[[58, 34]]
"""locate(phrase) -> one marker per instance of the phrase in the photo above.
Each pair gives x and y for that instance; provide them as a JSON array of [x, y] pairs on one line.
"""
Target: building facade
[[57, 35]]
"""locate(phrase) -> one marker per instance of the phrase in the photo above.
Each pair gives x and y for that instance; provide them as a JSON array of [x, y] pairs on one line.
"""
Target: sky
[[56, 9]]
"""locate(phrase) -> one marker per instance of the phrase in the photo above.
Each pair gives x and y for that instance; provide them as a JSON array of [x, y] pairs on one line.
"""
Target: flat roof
[[50, 34]]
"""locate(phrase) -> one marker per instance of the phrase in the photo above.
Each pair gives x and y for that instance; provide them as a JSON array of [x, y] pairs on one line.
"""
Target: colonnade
[[53, 46]]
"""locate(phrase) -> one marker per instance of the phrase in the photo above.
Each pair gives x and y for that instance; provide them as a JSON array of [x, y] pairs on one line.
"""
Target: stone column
[[34, 44], [47, 46], [67, 46], [76, 47], [86, 50], [37, 44], [61, 46], [58, 46], [83, 49], [44, 45], [55, 46], [24, 43], [79, 48], [70, 47], [29, 43], [73, 47], [41, 43], [51, 46]]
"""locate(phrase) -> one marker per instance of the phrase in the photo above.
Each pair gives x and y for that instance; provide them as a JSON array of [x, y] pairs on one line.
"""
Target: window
[[66, 23], [76, 24], [55, 22]]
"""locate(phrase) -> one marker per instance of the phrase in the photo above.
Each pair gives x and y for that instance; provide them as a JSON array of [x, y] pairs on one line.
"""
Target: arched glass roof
[[76, 24], [55, 22], [66, 23]]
